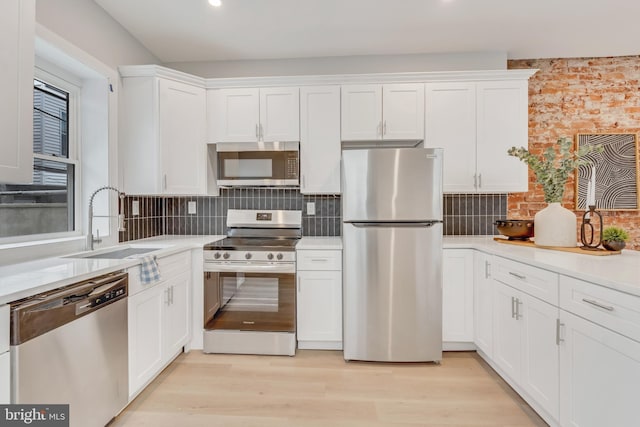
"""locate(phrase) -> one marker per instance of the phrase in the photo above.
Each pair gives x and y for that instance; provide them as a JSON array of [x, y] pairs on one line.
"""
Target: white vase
[[555, 226]]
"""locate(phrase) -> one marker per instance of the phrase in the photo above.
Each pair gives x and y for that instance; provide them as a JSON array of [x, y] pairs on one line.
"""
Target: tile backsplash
[[473, 214], [464, 214]]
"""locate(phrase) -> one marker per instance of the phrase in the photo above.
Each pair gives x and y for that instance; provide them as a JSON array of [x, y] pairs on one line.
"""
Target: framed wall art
[[612, 178]]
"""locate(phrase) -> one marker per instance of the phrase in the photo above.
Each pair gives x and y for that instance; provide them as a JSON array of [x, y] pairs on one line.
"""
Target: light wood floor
[[318, 388]]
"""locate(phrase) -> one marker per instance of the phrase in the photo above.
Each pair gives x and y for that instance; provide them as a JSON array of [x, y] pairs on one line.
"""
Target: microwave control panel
[[293, 166]]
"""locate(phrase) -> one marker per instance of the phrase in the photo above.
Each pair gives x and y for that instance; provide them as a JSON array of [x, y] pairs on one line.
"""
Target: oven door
[[255, 302]]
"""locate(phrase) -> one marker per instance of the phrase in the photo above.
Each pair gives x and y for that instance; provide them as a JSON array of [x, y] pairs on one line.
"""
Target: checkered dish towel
[[149, 271]]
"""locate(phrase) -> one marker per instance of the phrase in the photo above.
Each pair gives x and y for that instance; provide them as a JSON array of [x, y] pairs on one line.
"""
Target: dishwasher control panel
[[108, 296]]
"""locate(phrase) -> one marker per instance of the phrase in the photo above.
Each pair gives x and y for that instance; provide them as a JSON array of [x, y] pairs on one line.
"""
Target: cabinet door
[[483, 303], [234, 115], [507, 333], [403, 111], [5, 378], [540, 365], [502, 123], [450, 123], [145, 312], [176, 319], [457, 295], [182, 138], [320, 140], [319, 306], [279, 114], [17, 22], [599, 375], [361, 112]]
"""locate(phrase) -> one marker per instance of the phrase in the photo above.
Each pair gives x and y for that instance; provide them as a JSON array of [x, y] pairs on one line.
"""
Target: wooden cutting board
[[576, 250]]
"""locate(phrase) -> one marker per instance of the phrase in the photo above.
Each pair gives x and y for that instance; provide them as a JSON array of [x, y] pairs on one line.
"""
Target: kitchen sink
[[118, 253]]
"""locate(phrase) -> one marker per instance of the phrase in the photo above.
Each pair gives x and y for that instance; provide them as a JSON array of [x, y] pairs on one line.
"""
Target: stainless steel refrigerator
[[392, 260]]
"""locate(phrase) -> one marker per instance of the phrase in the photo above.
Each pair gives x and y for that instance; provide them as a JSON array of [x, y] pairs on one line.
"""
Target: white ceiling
[[192, 30]]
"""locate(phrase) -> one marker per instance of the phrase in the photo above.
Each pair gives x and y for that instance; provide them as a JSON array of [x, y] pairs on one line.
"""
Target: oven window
[[255, 302], [248, 168]]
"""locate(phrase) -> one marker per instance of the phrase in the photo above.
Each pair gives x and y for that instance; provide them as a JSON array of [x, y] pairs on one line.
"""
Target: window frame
[[73, 87]]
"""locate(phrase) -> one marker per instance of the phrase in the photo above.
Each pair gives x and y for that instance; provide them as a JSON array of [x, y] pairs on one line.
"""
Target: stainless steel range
[[250, 284]]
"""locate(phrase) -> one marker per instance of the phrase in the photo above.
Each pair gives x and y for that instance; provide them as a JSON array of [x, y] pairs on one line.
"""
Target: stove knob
[[270, 257], [216, 255], [279, 256], [247, 255], [226, 255]]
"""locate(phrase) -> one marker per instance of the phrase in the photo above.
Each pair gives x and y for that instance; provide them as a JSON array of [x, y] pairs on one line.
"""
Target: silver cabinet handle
[[384, 128], [513, 307], [558, 326], [519, 276], [518, 304], [479, 180], [319, 259], [486, 269], [172, 295], [598, 304]]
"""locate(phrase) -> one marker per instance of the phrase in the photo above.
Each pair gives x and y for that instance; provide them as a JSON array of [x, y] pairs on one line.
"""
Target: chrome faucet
[[90, 239]]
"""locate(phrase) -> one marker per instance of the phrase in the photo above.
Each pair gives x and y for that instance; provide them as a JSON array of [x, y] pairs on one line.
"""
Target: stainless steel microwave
[[258, 164]]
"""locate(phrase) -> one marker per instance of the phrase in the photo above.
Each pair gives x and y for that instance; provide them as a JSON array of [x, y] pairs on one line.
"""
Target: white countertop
[[29, 278], [319, 243], [620, 272]]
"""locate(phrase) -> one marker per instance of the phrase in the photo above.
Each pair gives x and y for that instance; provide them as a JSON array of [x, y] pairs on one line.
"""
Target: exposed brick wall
[[581, 95]]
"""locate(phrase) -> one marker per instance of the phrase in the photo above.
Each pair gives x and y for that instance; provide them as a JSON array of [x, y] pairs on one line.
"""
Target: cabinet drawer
[[174, 265], [4, 328], [534, 281], [319, 260], [614, 310], [170, 267]]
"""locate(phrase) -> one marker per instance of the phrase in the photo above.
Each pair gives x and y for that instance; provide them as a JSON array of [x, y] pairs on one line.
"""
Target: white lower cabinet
[[483, 303], [599, 375], [457, 299], [319, 300], [159, 326], [5, 363], [525, 347]]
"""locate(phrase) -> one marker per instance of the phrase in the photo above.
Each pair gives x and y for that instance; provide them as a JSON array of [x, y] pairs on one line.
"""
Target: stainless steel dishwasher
[[69, 346]]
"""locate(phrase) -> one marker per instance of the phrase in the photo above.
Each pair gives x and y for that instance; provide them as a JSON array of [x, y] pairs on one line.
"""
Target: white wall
[[346, 65], [86, 25]]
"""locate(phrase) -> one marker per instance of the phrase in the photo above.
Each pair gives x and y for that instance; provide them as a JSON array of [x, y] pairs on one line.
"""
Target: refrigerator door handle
[[417, 224]]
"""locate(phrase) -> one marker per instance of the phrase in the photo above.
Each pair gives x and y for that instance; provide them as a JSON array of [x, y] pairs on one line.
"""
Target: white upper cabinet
[[451, 124], [253, 115], [182, 137], [383, 112], [502, 123], [17, 23], [476, 123], [320, 140], [162, 136]]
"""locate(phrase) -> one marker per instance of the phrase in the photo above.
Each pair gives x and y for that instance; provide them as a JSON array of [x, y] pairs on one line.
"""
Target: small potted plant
[[614, 238]]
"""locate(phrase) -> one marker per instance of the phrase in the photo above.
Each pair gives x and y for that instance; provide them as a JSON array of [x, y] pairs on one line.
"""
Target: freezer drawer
[[392, 292]]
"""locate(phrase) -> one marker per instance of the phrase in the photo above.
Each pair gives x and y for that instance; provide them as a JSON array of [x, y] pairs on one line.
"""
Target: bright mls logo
[[34, 415]]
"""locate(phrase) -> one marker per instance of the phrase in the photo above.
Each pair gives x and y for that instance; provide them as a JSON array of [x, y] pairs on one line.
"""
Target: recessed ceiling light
[[215, 3]]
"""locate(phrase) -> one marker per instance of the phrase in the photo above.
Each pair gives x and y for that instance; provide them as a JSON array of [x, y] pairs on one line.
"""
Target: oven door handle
[[250, 268]]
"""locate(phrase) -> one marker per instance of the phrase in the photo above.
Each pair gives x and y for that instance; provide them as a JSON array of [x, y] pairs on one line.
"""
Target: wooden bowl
[[515, 229]]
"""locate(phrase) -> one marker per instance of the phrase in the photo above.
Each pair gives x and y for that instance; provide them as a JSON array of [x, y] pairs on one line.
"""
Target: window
[[48, 205]]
